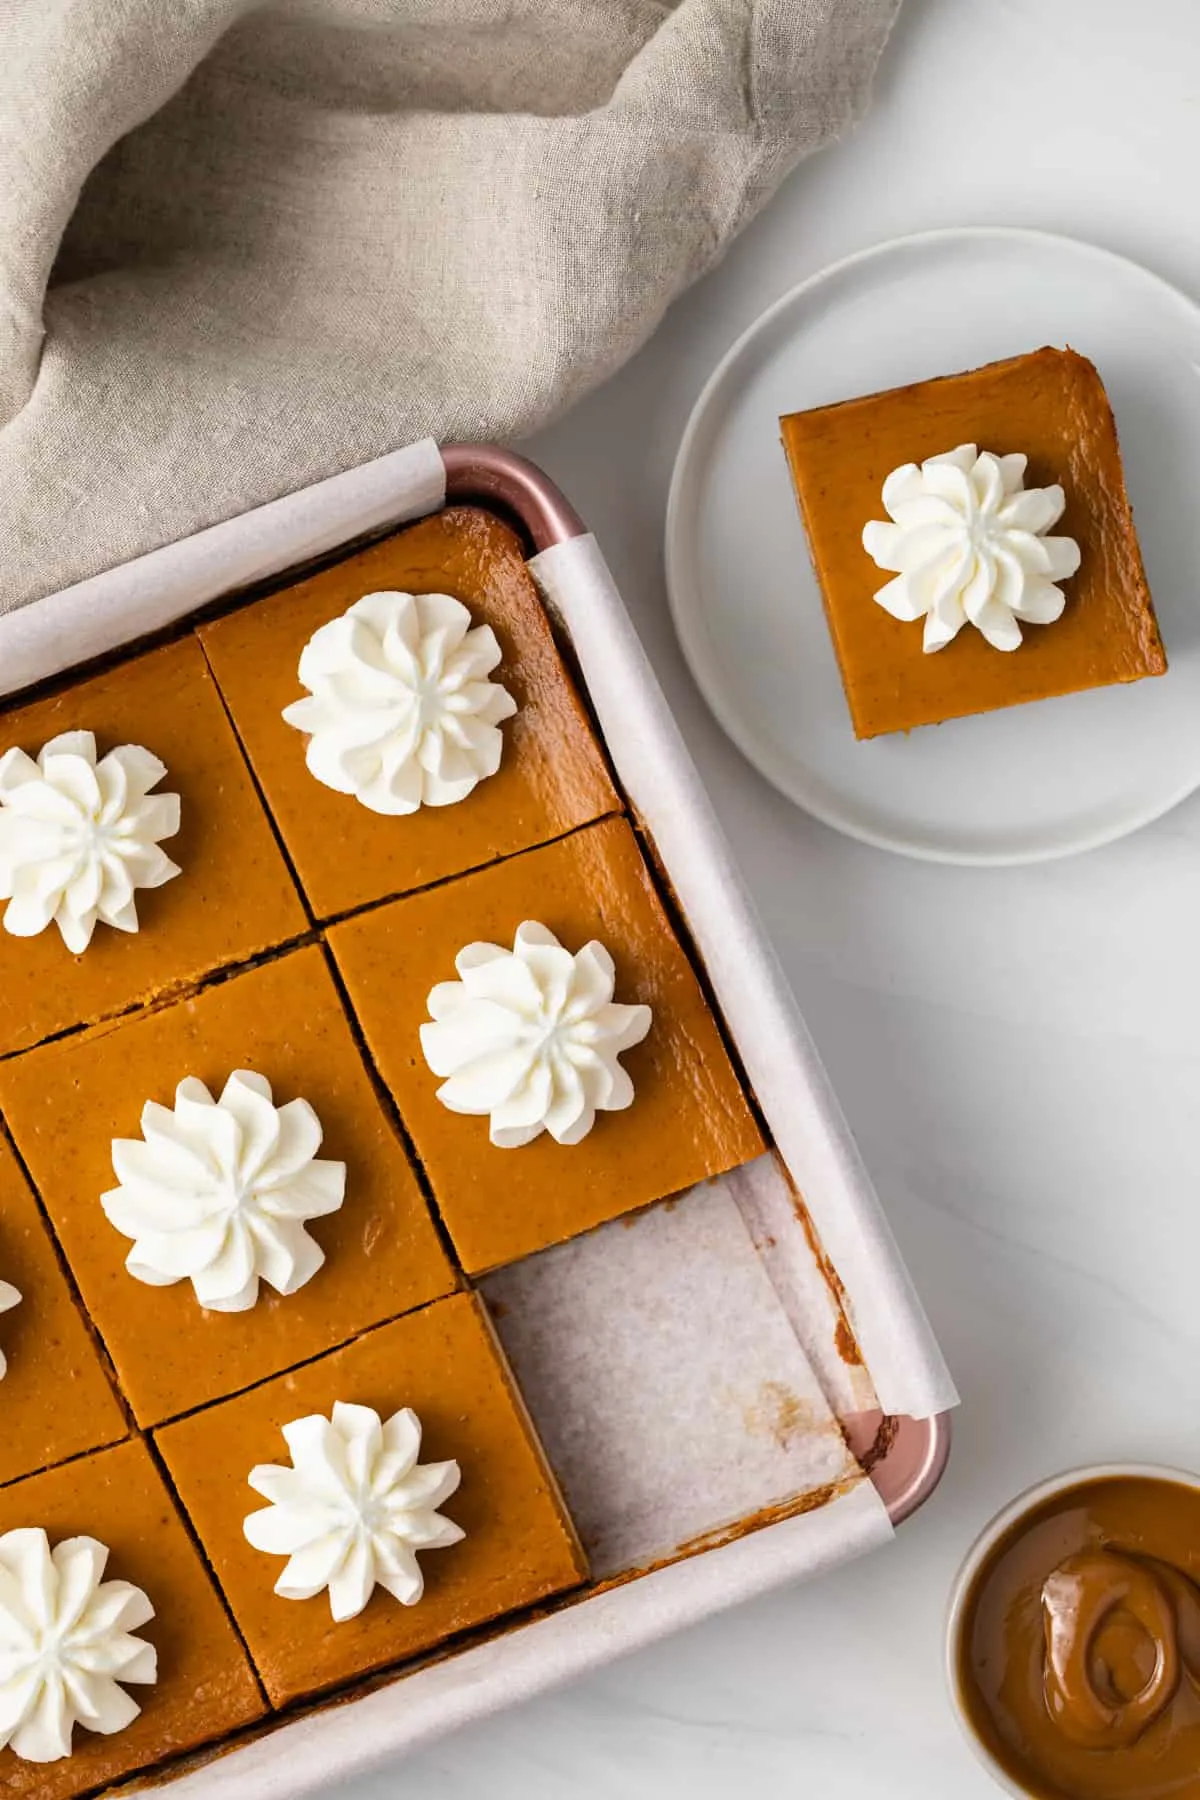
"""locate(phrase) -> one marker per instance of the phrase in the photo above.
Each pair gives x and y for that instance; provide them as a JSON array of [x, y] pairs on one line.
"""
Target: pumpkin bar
[[233, 896], [688, 1118], [1050, 407], [517, 1546], [67, 1102], [205, 1687], [551, 774], [55, 1397]]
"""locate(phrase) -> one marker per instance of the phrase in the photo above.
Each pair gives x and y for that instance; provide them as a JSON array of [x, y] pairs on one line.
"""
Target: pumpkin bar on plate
[[577, 1034], [407, 713], [142, 1135], [122, 1589], [424, 1415], [992, 507]]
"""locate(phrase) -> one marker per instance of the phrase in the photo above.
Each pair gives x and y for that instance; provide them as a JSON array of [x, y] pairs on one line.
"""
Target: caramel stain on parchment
[[845, 1342], [777, 1413]]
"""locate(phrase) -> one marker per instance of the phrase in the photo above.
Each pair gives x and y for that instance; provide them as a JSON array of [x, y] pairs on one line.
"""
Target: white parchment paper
[[668, 1387], [767, 1204]]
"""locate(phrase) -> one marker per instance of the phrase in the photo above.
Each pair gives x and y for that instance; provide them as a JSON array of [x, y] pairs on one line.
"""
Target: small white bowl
[[981, 1549]]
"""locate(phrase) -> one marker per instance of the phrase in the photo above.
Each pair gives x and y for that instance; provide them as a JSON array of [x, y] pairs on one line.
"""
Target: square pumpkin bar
[[963, 532], [55, 1395], [513, 1546], [676, 1110], [409, 714], [204, 1688], [227, 1201], [231, 897]]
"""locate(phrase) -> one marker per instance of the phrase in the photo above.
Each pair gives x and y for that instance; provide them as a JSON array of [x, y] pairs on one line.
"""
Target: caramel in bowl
[[1074, 1638]]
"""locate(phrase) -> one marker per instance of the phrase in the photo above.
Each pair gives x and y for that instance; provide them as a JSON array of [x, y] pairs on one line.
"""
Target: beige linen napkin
[[242, 248]]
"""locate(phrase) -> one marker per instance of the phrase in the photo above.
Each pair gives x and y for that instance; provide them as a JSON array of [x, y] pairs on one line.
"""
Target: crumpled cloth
[[245, 247]]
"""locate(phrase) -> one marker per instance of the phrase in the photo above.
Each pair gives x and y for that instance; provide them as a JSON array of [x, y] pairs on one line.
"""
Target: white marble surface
[[1017, 1050]]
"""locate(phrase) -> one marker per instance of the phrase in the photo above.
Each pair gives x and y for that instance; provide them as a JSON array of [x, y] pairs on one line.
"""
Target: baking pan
[[892, 1404]]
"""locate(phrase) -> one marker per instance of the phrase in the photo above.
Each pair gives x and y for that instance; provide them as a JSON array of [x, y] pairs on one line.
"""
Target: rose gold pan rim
[[488, 473], [904, 1457]]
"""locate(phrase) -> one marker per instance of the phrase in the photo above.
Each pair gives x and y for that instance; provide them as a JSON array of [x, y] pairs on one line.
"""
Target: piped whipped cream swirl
[[401, 712], [354, 1508], [968, 541], [217, 1192], [531, 1037], [66, 1644], [79, 836], [9, 1297]]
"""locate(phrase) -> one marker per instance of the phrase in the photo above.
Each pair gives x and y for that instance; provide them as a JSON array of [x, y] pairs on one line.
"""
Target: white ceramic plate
[[1019, 785]]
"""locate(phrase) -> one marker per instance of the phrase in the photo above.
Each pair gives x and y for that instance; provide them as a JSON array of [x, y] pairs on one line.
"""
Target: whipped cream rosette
[[353, 1509], [218, 1192], [969, 544], [67, 1644], [401, 710], [79, 835], [531, 1037]]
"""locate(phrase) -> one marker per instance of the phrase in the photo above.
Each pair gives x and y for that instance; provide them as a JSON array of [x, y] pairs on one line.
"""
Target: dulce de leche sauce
[[1079, 1647]]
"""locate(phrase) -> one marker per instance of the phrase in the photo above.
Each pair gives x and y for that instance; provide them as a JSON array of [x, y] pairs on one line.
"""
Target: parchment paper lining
[[665, 1379]]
